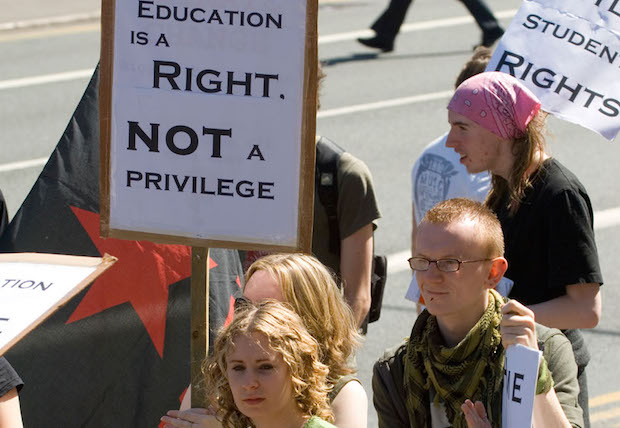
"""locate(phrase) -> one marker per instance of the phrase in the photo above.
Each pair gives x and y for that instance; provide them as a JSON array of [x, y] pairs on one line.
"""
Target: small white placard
[[33, 286], [568, 53], [520, 376]]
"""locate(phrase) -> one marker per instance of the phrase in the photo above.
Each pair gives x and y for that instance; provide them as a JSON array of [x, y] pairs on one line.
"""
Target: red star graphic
[[141, 276], [231, 305]]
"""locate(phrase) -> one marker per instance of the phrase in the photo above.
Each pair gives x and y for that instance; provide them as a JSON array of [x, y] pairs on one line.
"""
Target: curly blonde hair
[[287, 336], [310, 289]]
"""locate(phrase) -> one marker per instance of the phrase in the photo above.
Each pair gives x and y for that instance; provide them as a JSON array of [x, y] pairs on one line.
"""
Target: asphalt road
[[386, 130]]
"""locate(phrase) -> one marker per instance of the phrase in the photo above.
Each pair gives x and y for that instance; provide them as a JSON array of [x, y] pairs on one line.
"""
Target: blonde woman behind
[[308, 287], [265, 372]]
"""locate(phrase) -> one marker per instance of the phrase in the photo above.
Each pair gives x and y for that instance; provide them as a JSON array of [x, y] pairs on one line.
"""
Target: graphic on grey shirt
[[432, 182]]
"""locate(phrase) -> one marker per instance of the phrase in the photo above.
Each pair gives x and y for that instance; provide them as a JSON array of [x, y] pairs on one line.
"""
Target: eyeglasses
[[444, 265]]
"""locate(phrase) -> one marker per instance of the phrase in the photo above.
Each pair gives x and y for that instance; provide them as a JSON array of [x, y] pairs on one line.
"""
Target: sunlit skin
[[262, 285], [261, 384], [457, 299], [479, 149]]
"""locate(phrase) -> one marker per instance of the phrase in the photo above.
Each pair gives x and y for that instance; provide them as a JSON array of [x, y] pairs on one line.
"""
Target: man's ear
[[497, 271]]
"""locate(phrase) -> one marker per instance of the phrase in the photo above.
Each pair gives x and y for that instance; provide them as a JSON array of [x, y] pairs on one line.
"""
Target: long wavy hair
[[287, 336], [524, 150], [310, 289]]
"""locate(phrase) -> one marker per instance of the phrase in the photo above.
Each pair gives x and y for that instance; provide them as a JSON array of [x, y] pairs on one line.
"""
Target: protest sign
[[604, 13], [33, 286], [208, 122], [568, 53], [520, 376]]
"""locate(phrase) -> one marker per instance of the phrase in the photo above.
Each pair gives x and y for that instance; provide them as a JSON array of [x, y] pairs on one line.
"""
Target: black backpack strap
[[326, 183]]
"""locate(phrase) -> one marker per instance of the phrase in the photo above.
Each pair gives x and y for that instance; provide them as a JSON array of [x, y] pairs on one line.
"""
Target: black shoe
[[491, 37], [377, 43]]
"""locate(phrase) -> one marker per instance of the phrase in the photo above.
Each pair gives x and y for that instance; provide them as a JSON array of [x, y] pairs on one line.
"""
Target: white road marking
[[53, 20], [44, 79], [45, 32], [16, 166], [606, 218], [394, 102], [413, 26], [331, 38]]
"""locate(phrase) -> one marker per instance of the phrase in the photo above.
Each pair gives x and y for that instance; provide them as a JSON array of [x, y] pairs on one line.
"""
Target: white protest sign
[[520, 376], [569, 61], [208, 121], [604, 13], [33, 286]]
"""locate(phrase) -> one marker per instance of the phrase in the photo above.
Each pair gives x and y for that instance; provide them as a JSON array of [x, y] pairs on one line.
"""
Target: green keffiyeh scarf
[[473, 369]]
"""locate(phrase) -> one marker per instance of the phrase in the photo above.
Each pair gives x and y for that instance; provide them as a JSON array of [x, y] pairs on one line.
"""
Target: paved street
[[383, 108]]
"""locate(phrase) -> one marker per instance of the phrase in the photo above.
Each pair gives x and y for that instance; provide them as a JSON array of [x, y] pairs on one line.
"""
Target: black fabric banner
[[117, 355]]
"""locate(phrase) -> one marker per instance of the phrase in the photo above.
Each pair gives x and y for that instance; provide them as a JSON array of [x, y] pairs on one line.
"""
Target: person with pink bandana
[[545, 212]]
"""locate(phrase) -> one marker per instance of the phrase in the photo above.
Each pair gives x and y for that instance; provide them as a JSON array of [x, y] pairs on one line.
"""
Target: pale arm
[[580, 307], [548, 412], [10, 414], [355, 269], [350, 406]]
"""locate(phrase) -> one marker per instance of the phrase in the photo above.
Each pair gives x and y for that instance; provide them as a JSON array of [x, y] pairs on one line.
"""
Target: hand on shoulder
[[195, 418]]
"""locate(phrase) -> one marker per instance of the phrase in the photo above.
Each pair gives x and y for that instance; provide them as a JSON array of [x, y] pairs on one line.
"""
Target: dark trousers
[[583, 395], [388, 24]]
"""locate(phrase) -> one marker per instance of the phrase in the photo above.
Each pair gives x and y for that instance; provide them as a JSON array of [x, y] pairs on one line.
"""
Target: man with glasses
[[450, 371]]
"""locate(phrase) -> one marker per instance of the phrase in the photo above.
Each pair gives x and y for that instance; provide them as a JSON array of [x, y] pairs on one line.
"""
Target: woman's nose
[[251, 380]]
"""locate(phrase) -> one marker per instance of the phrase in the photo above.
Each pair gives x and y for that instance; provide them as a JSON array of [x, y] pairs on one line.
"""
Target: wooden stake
[[200, 323]]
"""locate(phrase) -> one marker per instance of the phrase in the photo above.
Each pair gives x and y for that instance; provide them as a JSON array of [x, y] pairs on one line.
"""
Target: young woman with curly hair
[[308, 287], [265, 371]]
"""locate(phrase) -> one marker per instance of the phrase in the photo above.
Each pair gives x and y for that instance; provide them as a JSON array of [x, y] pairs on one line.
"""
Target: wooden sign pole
[[199, 341]]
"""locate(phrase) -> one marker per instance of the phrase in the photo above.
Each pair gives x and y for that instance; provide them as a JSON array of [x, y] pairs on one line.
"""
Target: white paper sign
[[33, 286], [206, 119], [604, 13], [568, 53], [520, 376]]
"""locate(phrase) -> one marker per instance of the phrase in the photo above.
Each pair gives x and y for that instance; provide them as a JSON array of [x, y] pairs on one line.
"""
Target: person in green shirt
[[265, 371]]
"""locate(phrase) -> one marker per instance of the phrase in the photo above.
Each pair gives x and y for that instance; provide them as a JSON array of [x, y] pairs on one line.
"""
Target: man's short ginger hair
[[486, 223]]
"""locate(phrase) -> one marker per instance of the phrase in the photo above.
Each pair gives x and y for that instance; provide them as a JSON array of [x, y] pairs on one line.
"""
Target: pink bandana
[[496, 101]]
